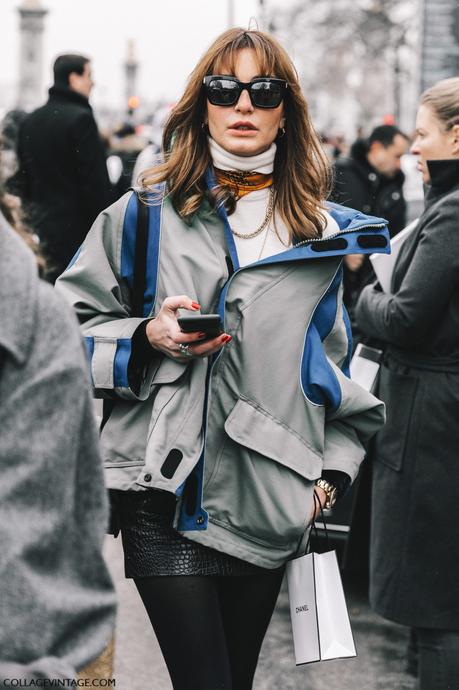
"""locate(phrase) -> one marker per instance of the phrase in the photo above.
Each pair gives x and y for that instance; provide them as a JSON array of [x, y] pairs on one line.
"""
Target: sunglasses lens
[[223, 92], [266, 94]]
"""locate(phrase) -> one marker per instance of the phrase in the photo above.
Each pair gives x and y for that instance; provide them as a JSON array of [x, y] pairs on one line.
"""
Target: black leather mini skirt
[[153, 547]]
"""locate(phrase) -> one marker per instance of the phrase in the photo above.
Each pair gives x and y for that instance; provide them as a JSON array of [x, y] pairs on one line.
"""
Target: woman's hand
[[164, 334], [354, 261], [321, 497]]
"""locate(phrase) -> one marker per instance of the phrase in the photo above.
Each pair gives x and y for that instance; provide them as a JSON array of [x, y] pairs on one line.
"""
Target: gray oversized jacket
[[57, 602], [241, 438]]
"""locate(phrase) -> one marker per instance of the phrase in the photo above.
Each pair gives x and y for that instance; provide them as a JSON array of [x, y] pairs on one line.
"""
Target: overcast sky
[[170, 36]]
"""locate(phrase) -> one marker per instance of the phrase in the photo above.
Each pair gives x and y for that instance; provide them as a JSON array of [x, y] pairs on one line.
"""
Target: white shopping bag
[[365, 365], [320, 621]]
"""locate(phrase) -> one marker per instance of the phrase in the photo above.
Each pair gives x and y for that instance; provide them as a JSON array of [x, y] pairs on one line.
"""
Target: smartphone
[[210, 324]]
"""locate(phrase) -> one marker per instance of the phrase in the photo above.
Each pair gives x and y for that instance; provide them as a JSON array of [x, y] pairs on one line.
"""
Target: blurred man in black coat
[[370, 180], [62, 176]]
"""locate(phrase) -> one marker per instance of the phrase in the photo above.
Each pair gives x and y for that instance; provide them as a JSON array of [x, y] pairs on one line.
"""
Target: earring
[[281, 132], [205, 128]]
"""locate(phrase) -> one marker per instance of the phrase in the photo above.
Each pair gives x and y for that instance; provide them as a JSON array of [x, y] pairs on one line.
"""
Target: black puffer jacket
[[358, 185]]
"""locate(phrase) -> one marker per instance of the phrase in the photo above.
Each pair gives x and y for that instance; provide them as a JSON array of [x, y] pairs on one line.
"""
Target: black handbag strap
[[139, 281], [317, 504]]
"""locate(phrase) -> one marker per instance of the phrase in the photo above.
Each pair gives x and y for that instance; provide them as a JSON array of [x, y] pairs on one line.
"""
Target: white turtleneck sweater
[[251, 208]]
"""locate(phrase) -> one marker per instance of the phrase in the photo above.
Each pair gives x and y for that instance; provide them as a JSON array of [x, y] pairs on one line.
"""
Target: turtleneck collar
[[62, 93], [444, 176], [222, 159]]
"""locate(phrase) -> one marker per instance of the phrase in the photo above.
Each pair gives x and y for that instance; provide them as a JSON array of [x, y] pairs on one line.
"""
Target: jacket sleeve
[[404, 319], [97, 286], [352, 414]]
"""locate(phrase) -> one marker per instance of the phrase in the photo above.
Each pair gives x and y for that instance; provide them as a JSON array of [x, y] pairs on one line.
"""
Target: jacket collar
[[62, 93], [444, 177], [18, 277]]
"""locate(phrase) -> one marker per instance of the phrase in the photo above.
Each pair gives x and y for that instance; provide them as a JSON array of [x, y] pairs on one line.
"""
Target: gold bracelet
[[330, 492]]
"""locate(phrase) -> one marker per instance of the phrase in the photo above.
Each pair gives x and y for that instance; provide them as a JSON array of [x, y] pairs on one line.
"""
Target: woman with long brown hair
[[217, 441]]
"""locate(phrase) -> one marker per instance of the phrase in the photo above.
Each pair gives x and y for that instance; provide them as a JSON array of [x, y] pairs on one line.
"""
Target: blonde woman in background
[[415, 508]]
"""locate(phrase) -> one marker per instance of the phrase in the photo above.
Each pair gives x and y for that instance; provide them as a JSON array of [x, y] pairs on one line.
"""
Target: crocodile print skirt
[[153, 547]]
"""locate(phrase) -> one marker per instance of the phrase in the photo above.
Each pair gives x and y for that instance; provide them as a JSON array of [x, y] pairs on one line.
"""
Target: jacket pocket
[[398, 391], [263, 479]]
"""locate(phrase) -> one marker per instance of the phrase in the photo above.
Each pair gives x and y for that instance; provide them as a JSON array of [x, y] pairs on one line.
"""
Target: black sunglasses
[[264, 92]]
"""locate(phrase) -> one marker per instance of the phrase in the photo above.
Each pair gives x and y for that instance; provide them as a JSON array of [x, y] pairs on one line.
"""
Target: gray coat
[[57, 602], [247, 433], [415, 521]]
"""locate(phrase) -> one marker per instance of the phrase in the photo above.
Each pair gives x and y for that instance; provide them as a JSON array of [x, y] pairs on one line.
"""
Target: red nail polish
[[227, 338], [195, 305]]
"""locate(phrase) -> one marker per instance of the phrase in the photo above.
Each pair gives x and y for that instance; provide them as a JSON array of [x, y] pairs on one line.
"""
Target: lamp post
[[230, 14], [32, 16]]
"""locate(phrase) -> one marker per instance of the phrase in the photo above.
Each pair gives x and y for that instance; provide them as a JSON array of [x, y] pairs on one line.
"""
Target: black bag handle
[[314, 526]]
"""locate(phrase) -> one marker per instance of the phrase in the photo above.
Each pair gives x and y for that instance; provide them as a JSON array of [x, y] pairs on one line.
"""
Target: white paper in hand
[[383, 264], [365, 365]]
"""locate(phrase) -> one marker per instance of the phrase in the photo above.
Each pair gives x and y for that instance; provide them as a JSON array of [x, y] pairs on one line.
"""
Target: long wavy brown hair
[[301, 170], [11, 208]]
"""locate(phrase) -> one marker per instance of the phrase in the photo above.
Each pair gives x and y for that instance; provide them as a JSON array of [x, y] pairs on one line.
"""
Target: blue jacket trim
[[347, 242], [74, 258], [120, 365], [350, 218], [128, 241], [154, 239], [128, 249], [89, 342], [318, 380], [347, 362], [199, 519]]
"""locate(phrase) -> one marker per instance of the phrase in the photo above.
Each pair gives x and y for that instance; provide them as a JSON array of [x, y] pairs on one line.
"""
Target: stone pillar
[[131, 67], [31, 54]]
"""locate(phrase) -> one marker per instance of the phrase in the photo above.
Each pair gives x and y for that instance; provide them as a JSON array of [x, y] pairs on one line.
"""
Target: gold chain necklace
[[265, 223]]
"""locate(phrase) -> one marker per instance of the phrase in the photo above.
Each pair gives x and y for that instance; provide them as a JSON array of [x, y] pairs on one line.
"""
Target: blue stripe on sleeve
[[89, 342], [120, 366], [128, 241], [154, 238]]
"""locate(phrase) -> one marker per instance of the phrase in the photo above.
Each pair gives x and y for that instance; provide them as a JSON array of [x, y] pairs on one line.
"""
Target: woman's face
[[432, 141], [241, 128]]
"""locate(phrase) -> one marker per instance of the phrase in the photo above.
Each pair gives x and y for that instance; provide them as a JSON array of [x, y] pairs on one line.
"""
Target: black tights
[[210, 628]]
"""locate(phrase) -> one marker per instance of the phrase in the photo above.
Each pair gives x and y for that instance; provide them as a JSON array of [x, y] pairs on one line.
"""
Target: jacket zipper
[[337, 234], [227, 286]]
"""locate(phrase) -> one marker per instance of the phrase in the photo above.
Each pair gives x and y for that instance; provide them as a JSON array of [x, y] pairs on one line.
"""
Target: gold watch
[[330, 492]]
